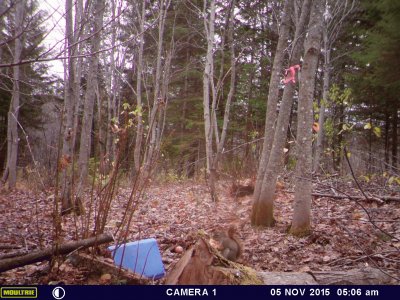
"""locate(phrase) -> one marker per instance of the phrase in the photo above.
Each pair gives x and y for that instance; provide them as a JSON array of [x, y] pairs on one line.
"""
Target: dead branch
[[40, 255], [370, 198]]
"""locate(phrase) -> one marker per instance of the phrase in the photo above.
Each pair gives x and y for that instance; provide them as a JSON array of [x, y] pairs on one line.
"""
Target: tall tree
[[90, 96], [301, 223], [141, 13], [69, 108], [209, 25], [210, 102], [10, 171], [159, 101]]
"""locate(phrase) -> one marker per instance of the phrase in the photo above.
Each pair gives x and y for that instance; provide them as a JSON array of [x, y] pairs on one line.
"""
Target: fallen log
[[13, 254], [40, 255], [6, 246], [201, 264], [363, 276]]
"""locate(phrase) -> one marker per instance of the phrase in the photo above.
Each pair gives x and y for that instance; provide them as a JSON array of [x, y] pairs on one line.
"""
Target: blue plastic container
[[141, 257]]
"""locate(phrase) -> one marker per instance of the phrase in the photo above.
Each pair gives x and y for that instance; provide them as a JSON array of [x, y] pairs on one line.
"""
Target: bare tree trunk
[[325, 95], [112, 113], [207, 77], [303, 186], [80, 26], [273, 95], [86, 133], [262, 211], [154, 127], [139, 68], [164, 93], [10, 171], [69, 103], [210, 116], [387, 140], [221, 143], [394, 138]]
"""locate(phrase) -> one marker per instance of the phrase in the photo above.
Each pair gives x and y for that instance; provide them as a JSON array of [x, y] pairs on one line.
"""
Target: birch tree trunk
[[207, 77], [273, 95], [262, 211], [90, 96], [301, 223], [139, 68], [10, 171]]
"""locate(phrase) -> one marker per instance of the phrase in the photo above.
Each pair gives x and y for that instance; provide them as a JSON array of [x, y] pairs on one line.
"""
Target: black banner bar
[[120, 292]]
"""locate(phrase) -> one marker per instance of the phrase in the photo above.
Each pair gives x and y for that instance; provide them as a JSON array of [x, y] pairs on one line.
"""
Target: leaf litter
[[175, 213]]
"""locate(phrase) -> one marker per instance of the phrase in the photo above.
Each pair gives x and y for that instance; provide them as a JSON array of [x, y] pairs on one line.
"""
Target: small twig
[[370, 257]]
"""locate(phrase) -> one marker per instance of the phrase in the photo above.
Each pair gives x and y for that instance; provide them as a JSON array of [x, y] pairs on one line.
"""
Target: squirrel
[[228, 243]]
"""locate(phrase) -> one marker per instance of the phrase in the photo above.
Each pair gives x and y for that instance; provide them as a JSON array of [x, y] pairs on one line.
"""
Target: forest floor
[[173, 213]]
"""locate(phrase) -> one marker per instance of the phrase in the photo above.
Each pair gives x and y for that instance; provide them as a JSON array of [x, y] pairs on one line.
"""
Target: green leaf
[[377, 132], [368, 126], [126, 106]]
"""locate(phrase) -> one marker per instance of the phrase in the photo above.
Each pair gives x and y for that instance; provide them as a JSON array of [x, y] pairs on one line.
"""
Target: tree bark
[[394, 138], [10, 172], [303, 188], [69, 105]]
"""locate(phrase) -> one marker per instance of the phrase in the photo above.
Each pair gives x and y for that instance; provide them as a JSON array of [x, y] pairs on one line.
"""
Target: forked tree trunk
[[273, 95], [303, 186], [262, 211]]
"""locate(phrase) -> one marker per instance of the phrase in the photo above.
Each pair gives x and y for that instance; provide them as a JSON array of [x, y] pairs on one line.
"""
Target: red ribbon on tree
[[291, 74]]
